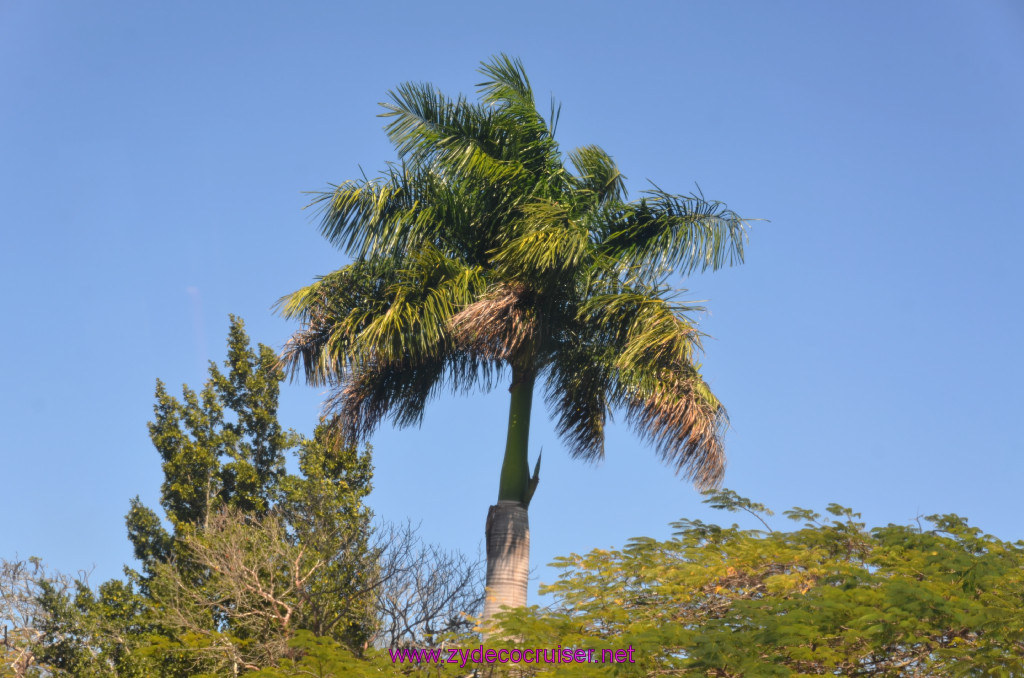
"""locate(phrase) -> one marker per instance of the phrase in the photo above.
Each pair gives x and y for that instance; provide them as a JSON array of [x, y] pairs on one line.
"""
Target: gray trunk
[[508, 558]]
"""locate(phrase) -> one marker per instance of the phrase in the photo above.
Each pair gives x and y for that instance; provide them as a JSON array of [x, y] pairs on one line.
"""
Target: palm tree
[[483, 257]]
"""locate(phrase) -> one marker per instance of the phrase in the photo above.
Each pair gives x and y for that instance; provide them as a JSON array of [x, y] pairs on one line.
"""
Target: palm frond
[[644, 327], [378, 310], [498, 326], [334, 311], [450, 137], [578, 386], [548, 241], [506, 82], [597, 174], [480, 249], [685, 232], [409, 207], [421, 114], [372, 216], [676, 412], [399, 391], [377, 390], [526, 134], [429, 291], [640, 347], [555, 116]]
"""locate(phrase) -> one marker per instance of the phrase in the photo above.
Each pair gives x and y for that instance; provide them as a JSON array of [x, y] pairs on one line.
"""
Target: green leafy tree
[[486, 254], [98, 634], [221, 447], [252, 553], [829, 598], [60, 626], [320, 657]]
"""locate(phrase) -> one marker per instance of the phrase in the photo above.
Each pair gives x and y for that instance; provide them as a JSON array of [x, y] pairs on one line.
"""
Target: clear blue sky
[[153, 158]]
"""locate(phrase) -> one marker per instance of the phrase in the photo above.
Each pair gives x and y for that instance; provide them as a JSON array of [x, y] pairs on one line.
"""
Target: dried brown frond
[[498, 326], [685, 424]]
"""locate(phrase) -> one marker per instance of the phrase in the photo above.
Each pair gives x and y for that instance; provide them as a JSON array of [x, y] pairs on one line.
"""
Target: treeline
[[260, 571]]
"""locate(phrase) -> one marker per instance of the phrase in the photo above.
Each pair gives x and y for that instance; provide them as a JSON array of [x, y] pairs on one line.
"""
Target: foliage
[[256, 553], [485, 252], [319, 658], [222, 447], [252, 553], [486, 247], [830, 598], [254, 557], [95, 634]]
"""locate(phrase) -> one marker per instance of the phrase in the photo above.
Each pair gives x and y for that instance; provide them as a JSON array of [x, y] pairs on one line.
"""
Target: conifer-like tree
[[249, 554]]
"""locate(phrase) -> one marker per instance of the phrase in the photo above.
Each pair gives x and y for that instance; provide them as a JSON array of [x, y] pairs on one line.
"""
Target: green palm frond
[[408, 207], [507, 83], [579, 383], [527, 136], [377, 390], [452, 137], [685, 232], [334, 311], [548, 241], [371, 216], [659, 331], [644, 326], [399, 391], [379, 310], [429, 291], [623, 348], [597, 174]]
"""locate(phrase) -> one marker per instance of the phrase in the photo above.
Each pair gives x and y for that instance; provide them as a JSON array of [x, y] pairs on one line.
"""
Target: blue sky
[[153, 158]]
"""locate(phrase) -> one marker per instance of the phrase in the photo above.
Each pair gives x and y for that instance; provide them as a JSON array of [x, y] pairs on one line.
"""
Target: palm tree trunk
[[508, 558], [508, 525]]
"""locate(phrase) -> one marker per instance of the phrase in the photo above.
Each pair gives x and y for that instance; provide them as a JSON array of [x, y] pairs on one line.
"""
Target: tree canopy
[[828, 598], [486, 247]]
